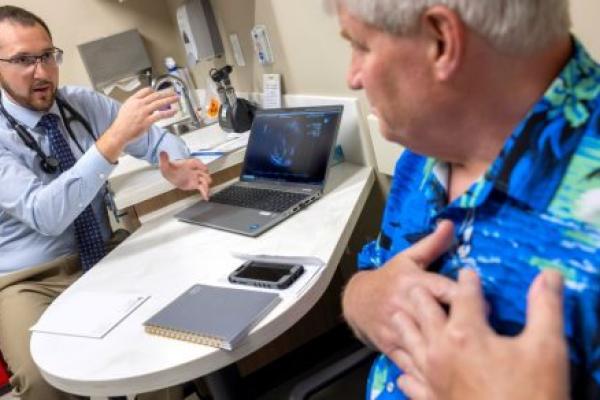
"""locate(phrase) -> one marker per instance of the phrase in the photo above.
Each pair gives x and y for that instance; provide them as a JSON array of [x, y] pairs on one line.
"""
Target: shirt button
[[389, 387], [102, 176], [80, 205], [464, 250]]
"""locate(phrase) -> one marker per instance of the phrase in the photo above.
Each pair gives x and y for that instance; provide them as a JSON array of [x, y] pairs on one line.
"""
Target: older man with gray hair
[[498, 108]]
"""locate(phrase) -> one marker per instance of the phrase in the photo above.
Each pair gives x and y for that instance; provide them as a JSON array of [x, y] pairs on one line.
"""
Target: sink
[[180, 127]]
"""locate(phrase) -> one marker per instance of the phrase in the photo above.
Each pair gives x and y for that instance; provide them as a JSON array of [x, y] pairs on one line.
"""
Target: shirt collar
[[24, 115], [565, 104]]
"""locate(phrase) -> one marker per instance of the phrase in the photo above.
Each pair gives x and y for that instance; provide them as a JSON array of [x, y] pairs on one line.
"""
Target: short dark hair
[[22, 17]]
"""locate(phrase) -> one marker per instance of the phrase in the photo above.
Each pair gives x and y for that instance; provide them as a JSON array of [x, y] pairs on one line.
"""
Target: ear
[[446, 34]]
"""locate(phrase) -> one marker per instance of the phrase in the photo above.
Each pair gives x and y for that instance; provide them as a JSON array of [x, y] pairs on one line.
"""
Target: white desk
[[163, 258]]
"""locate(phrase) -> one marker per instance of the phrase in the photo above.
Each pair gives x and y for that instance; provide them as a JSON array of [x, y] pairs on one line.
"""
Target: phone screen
[[265, 271]]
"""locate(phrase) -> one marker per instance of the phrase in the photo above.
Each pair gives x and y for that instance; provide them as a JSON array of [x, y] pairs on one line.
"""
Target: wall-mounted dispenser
[[262, 44], [199, 31]]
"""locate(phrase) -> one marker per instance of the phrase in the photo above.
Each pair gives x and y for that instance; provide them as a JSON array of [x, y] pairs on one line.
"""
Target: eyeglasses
[[50, 57]]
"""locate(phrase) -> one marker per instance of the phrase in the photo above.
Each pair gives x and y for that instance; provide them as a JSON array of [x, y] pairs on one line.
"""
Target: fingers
[[431, 317], [148, 94], [545, 304], [142, 93], [411, 355], [404, 361], [428, 249], [204, 181], [468, 305], [154, 104], [163, 160], [162, 102], [158, 110], [441, 287], [157, 95], [203, 189], [157, 115], [198, 165], [413, 387]]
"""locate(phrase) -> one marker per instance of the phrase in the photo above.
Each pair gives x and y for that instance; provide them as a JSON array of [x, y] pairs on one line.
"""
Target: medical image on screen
[[293, 146]]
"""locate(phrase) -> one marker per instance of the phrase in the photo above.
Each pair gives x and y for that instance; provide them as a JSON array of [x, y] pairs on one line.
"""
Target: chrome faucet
[[178, 83]]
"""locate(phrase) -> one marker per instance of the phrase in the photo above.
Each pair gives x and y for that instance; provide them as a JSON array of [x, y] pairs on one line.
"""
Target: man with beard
[[53, 219]]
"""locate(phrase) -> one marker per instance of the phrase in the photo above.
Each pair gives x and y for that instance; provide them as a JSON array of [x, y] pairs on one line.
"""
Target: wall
[[73, 22], [233, 16], [585, 15], [308, 50], [313, 58]]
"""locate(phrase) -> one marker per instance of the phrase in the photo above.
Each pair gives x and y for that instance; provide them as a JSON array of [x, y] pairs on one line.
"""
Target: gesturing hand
[[189, 174], [135, 116], [465, 359], [377, 304]]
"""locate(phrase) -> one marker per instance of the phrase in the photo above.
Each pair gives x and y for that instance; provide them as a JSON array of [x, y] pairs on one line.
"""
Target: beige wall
[[308, 50], [313, 58], [233, 16], [585, 15], [73, 22]]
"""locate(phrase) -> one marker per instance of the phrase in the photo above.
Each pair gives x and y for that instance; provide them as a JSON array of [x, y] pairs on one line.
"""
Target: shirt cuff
[[173, 145], [93, 167]]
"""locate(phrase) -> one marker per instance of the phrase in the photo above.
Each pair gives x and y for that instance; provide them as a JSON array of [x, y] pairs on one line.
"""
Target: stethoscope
[[48, 163]]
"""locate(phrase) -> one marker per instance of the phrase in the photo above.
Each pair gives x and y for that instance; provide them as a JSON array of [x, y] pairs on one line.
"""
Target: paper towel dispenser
[[199, 31], [114, 58]]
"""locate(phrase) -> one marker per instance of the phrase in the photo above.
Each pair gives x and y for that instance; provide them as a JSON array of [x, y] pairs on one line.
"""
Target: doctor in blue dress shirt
[[44, 215]]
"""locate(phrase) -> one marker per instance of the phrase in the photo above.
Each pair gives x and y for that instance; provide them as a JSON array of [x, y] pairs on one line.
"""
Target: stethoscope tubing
[[48, 163]]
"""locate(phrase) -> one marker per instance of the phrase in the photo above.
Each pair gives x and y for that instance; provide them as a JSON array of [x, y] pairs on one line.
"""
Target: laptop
[[285, 169]]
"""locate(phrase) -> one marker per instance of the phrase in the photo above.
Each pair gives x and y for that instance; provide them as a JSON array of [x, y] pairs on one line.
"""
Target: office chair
[[328, 375]]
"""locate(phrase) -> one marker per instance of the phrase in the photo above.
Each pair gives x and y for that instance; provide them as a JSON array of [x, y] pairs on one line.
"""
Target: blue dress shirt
[[37, 209]]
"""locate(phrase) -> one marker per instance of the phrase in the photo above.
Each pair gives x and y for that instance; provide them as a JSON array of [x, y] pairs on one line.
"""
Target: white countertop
[[165, 257]]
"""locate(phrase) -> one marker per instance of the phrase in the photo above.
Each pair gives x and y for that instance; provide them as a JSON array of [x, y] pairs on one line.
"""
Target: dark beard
[[26, 102]]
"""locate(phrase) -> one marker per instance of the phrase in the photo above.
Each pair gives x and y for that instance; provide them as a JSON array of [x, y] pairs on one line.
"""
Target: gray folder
[[211, 315]]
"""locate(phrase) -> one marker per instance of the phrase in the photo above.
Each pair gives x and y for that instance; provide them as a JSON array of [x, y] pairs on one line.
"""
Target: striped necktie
[[87, 229]]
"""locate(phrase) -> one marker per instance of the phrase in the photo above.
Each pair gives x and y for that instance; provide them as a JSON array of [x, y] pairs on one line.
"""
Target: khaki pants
[[23, 298]]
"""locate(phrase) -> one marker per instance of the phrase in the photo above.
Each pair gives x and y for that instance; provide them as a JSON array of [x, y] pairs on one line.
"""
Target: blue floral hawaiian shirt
[[522, 216]]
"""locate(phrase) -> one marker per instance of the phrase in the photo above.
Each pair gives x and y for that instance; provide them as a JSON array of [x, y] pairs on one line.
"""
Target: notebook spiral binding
[[187, 336]]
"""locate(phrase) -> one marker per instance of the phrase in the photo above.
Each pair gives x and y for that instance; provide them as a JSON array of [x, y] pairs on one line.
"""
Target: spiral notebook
[[212, 315]]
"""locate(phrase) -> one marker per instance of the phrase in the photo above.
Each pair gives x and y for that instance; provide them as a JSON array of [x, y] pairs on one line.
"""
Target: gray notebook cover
[[211, 315]]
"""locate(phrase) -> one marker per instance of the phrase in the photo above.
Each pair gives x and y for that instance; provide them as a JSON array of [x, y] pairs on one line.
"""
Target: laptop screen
[[291, 145]]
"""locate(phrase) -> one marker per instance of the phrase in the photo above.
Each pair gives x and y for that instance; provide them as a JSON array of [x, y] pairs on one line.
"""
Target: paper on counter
[[88, 314], [207, 159], [233, 145], [226, 147]]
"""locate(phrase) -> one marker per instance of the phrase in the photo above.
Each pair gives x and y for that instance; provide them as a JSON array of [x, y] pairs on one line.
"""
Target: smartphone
[[267, 275]]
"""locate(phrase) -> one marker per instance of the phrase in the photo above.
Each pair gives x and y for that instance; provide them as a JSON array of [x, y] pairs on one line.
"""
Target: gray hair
[[514, 26]]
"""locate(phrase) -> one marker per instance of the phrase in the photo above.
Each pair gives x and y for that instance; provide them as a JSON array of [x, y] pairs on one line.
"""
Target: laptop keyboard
[[260, 199]]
